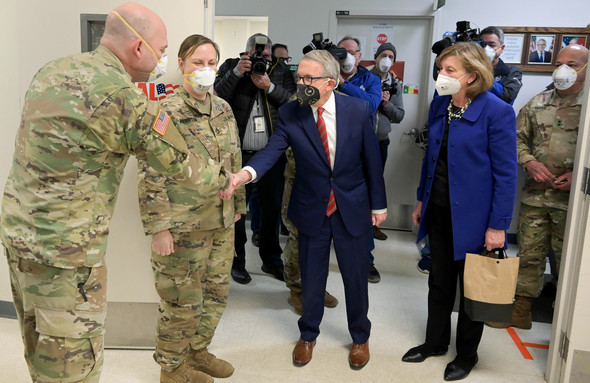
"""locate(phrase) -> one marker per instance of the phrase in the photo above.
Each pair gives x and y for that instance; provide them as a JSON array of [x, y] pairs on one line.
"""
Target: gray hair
[[348, 37], [494, 31], [251, 43], [330, 66]]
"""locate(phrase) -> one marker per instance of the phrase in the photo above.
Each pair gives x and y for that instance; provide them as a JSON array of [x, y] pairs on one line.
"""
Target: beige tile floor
[[259, 329]]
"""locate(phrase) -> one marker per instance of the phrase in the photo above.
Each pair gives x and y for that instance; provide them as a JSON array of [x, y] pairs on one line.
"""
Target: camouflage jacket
[[210, 131], [82, 118], [547, 131]]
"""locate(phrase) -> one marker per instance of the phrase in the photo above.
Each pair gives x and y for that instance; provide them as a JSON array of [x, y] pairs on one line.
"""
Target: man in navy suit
[[338, 194], [540, 55]]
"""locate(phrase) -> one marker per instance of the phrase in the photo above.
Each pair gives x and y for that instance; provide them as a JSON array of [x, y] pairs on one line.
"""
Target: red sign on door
[[382, 38]]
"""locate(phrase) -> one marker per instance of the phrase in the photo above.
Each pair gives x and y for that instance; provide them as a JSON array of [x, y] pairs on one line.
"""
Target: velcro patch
[[161, 122]]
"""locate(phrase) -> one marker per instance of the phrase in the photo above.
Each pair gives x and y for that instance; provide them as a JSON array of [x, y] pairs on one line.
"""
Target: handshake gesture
[[236, 180]]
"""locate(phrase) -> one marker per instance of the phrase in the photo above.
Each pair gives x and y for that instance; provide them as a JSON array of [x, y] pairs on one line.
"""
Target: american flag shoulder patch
[[161, 123]]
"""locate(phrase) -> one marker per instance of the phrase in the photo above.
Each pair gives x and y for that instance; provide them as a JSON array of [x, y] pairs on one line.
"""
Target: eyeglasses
[[285, 59], [354, 53], [307, 80]]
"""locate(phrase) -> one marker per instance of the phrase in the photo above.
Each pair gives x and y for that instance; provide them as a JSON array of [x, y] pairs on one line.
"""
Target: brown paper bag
[[490, 283]]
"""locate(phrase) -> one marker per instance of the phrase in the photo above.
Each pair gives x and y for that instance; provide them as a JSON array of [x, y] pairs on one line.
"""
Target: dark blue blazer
[[482, 169], [357, 178]]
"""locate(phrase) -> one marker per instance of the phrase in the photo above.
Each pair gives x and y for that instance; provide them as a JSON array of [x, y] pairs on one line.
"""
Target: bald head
[[137, 36], [576, 57], [574, 51], [144, 21]]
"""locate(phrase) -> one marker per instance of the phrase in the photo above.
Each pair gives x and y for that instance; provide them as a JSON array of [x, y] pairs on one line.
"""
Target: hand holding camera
[[244, 65], [261, 82]]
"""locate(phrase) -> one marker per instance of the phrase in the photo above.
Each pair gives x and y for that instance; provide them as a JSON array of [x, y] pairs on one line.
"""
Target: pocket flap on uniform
[[70, 323]]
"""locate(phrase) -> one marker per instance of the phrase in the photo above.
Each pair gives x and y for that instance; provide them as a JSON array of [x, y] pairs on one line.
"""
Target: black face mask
[[307, 94]]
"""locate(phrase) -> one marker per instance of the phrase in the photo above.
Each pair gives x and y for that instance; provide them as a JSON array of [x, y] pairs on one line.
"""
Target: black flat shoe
[[241, 276], [277, 271], [458, 371], [418, 354]]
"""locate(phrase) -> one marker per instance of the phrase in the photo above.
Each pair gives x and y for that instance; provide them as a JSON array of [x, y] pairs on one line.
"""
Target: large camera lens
[[259, 67]]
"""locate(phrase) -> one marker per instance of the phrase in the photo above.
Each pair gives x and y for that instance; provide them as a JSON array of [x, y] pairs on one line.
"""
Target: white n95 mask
[[384, 64], [201, 79], [446, 85], [347, 64], [564, 76], [160, 68]]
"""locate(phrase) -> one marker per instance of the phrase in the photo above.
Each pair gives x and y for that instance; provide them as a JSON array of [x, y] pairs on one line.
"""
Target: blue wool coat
[[482, 169]]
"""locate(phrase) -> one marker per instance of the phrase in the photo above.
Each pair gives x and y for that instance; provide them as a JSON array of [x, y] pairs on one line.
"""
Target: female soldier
[[193, 229]]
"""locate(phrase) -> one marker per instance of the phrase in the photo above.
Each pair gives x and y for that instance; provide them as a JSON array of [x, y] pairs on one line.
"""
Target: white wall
[[10, 110], [231, 33], [35, 32]]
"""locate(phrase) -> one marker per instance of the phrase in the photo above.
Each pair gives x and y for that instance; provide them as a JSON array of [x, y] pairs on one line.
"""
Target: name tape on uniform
[[161, 122]]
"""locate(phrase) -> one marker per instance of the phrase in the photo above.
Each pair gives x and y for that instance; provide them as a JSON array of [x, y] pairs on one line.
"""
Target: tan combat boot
[[521, 313], [295, 301], [206, 362], [330, 300], [184, 374]]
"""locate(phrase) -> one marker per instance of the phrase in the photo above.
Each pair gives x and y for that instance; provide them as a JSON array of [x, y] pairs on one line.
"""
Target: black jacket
[[510, 79], [240, 92]]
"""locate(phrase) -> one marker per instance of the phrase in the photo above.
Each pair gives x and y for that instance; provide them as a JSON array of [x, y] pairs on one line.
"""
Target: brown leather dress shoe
[[302, 352], [359, 355]]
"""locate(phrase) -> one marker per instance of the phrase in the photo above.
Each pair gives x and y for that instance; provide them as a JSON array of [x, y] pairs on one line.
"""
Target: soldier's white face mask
[[564, 76], [384, 64], [161, 66], [446, 85], [201, 79], [162, 62]]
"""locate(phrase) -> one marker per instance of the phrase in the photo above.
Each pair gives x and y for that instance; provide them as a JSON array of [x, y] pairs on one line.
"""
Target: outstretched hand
[[236, 180]]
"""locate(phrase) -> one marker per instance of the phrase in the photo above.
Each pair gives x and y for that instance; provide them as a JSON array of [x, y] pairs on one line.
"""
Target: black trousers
[[442, 285], [270, 193]]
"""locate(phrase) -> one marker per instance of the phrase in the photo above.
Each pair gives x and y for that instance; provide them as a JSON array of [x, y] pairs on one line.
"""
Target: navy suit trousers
[[352, 254]]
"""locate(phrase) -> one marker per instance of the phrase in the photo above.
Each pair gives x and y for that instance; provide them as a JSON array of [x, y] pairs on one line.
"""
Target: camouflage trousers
[[61, 313], [539, 230], [291, 250], [193, 284]]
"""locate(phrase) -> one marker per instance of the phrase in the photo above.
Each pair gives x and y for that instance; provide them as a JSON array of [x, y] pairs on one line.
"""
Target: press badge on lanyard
[[258, 124]]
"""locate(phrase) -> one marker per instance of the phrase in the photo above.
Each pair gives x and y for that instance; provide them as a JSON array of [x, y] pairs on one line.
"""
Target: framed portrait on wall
[[535, 49], [573, 39], [541, 48]]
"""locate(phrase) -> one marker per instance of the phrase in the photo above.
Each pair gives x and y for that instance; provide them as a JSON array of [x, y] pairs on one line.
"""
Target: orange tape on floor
[[522, 346]]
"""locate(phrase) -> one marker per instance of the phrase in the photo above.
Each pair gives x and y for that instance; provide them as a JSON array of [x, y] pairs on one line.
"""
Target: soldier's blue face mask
[[161, 63]]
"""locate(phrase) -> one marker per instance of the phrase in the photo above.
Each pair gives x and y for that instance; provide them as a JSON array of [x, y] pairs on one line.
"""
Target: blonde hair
[[474, 60]]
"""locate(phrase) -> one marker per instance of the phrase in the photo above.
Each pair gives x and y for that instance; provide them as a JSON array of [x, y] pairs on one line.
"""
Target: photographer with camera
[[355, 80], [255, 85], [507, 78], [391, 108]]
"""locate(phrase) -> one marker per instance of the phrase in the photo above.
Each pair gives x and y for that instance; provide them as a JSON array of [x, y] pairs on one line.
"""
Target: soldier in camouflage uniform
[[192, 228], [547, 130], [82, 119], [291, 250]]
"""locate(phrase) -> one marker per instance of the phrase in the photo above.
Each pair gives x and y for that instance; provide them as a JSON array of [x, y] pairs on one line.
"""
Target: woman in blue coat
[[466, 194]]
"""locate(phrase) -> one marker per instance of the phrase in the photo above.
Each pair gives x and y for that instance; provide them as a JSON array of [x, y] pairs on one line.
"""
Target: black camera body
[[464, 33], [391, 88], [259, 63], [318, 42]]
